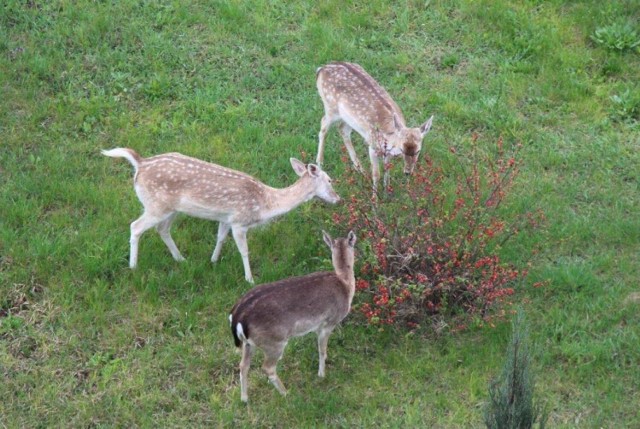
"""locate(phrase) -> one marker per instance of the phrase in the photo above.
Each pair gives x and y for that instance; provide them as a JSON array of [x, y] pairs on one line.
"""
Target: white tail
[[171, 183], [350, 95], [270, 314]]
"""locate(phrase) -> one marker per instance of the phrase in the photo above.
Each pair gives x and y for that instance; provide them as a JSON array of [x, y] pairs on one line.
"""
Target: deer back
[[352, 94], [295, 306], [291, 307], [199, 188]]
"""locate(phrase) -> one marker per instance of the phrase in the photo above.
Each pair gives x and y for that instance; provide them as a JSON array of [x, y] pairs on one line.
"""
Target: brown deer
[[270, 314], [170, 183], [350, 95]]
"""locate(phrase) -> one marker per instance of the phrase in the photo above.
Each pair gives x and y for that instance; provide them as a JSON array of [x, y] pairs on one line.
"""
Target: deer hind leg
[[138, 227], [325, 124], [345, 132], [240, 236], [245, 363], [223, 230], [271, 357], [323, 339], [164, 229]]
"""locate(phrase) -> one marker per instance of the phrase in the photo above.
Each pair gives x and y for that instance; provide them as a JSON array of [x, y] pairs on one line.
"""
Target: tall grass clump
[[618, 36], [625, 106]]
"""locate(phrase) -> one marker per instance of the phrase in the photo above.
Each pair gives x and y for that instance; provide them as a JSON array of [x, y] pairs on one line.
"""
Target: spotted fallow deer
[[350, 95], [171, 183], [270, 314]]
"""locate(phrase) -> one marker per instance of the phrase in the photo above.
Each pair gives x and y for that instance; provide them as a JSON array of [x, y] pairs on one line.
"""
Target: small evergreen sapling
[[511, 404]]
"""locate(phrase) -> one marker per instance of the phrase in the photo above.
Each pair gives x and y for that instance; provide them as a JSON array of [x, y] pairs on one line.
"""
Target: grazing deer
[[352, 96], [170, 183], [270, 314]]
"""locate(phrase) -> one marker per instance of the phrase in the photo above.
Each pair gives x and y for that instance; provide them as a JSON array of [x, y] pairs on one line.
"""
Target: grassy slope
[[234, 83]]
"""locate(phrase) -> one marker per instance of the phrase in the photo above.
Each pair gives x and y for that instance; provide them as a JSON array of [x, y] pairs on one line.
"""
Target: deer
[[354, 99], [269, 315], [173, 183]]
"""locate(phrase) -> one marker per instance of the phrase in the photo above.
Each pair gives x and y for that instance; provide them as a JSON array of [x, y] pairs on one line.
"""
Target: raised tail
[[237, 331], [121, 152]]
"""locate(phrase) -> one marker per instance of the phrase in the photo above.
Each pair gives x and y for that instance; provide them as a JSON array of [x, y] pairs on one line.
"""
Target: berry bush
[[430, 245]]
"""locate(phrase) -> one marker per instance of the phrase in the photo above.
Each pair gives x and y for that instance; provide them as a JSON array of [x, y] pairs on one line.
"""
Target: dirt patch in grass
[[19, 299], [633, 298]]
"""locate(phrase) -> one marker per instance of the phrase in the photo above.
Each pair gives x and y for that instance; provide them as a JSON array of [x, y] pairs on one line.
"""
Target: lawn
[[87, 342]]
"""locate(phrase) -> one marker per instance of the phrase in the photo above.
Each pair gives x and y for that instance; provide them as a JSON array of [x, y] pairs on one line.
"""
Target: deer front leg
[[386, 161], [375, 168], [240, 236], [345, 131], [323, 339]]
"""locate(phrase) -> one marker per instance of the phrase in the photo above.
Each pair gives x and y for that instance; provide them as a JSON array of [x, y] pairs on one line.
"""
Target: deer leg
[[271, 358], [245, 363], [375, 168], [385, 163], [164, 229], [323, 339], [138, 227], [345, 131], [240, 236], [324, 129], [223, 230]]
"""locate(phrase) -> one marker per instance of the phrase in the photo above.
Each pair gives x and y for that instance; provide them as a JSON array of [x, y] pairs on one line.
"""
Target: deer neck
[[286, 199], [346, 275], [350, 280]]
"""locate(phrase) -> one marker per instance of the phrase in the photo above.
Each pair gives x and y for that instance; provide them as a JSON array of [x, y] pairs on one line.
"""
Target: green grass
[[91, 343]]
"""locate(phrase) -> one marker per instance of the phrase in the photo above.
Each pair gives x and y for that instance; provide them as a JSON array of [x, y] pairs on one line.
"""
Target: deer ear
[[298, 166], [424, 129], [351, 239], [327, 239], [313, 170], [396, 121]]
